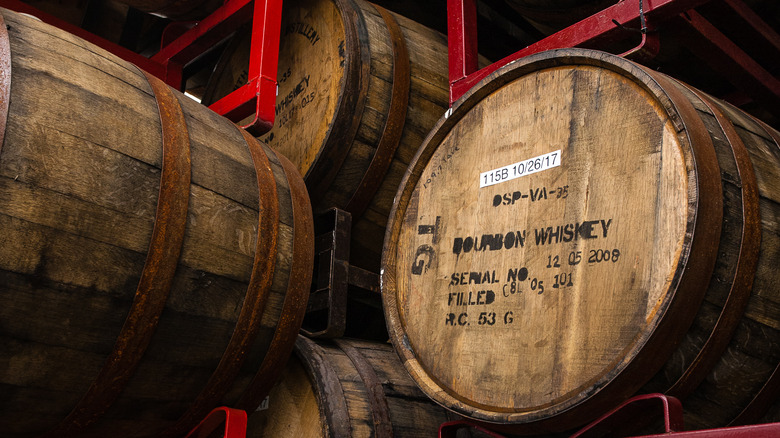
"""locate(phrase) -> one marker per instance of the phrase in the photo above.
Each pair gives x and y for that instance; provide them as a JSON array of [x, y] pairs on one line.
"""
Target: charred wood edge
[[380, 411], [344, 127], [770, 392], [158, 272], [297, 294], [332, 402], [5, 78], [335, 274], [742, 282], [394, 123], [249, 320]]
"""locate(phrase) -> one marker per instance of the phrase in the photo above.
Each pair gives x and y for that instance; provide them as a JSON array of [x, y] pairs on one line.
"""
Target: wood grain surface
[[337, 73], [346, 388], [557, 236], [80, 178]]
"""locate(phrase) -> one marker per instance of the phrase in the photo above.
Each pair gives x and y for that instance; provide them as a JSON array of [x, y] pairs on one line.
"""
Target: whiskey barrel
[[552, 16], [359, 88], [346, 388], [176, 9], [581, 229], [155, 260]]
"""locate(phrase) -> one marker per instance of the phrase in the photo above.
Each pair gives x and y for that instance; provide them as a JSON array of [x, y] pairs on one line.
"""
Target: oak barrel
[[346, 388], [155, 260], [581, 229], [359, 88]]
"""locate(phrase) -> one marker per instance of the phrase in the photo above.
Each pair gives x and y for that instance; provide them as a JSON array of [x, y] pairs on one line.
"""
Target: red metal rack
[[609, 25], [613, 422], [257, 96], [234, 421], [122, 52]]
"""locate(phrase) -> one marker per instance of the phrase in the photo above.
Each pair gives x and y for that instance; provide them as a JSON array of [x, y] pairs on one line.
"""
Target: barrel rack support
[[610, 25], [334, 275], [257, 96], [234, 420], [646, 405]]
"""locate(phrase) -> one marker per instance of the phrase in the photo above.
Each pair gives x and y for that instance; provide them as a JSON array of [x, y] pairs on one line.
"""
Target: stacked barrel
[[140, 285], [575, 230]]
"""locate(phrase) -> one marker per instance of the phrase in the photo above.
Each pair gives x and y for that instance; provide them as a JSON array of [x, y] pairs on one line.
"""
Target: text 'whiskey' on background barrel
[[359, 89], [346, 388], [155, 260], [579, 230]]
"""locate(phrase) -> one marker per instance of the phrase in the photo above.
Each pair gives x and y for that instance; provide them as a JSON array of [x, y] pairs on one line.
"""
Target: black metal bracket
[[326, 314]]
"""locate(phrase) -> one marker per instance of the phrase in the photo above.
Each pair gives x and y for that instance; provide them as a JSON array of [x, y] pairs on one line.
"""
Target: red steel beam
[[122, 52], [727, 58], [206, 33], [203, 36], [234, 420], [258, 96], [597, 27], [462, 38], [771, 430], [754, 20]]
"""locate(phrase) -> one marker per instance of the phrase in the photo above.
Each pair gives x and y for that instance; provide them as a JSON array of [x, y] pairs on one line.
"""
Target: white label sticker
[[521, 168]]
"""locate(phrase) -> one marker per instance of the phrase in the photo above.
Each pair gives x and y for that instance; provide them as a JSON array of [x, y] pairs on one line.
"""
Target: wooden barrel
[[580, 228], [346, 388], [359, 88], [155, 260], [176, 9], [552, 16]]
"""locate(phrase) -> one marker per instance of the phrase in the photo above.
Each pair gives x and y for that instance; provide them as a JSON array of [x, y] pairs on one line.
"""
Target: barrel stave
[[324, 392], [79, 182]]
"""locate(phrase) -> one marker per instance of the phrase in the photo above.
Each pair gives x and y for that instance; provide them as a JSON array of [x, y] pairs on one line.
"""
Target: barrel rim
[[297, 292], [676, 304], [334, 413], [744, 267], [344, 124]]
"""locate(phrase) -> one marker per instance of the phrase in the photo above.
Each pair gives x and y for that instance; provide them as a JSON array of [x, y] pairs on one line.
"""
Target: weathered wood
[[80, 177], [639, 252], [340, 67], [343, 389]]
